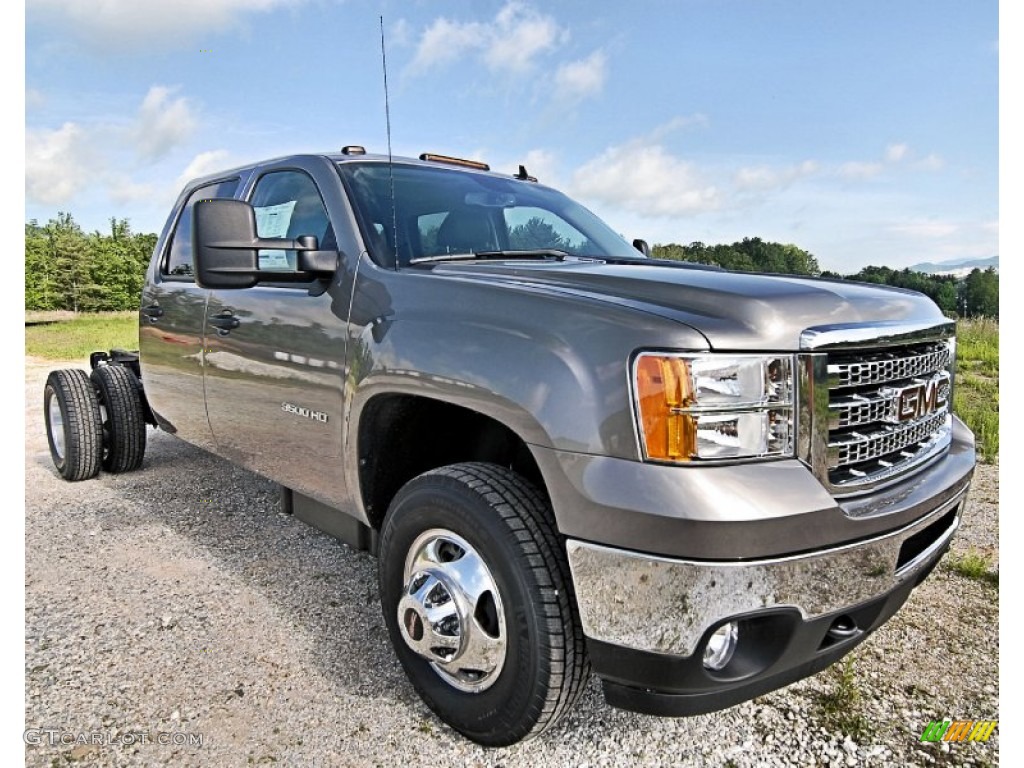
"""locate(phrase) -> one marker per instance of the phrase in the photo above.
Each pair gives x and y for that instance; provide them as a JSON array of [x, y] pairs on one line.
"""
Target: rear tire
[[124, 424], [477, 598], [74, 429]]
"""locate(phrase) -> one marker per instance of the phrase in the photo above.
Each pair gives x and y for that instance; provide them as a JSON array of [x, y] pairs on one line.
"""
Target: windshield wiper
[[536, 253]]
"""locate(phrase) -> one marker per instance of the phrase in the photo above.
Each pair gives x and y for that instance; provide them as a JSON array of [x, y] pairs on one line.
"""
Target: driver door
[[275, 356]]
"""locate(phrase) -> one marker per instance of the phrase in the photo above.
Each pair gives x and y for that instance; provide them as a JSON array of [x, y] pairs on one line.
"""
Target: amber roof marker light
[[430, 157]]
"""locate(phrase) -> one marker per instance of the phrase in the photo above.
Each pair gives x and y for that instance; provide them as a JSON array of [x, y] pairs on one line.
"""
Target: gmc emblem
[[917, 400]]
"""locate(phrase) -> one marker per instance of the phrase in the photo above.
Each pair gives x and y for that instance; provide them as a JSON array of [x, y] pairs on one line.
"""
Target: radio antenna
[[387, 117]]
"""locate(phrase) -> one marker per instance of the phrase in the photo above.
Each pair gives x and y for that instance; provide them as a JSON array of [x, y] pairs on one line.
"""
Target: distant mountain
[[956, 267]]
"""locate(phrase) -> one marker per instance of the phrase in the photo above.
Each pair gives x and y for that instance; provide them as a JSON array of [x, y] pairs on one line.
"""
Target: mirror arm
[[317, 260], [309, 256], [304, 243]]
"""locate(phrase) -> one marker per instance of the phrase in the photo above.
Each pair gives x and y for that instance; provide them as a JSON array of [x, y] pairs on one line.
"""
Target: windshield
[[440, 212]]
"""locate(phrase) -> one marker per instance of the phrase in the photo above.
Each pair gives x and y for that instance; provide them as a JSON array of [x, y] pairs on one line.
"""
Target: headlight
[[714, 406]]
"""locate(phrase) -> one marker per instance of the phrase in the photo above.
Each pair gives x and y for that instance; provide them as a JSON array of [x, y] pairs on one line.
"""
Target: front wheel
[[477, 598]]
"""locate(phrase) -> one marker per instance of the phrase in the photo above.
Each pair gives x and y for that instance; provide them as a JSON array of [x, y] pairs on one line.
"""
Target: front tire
[[73, 426], [477, 598]]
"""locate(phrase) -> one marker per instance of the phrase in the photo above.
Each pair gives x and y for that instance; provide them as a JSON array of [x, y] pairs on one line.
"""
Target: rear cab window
[[177, 264]]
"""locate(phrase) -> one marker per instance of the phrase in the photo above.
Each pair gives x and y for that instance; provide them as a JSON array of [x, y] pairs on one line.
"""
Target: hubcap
[[56, 426], [450, 612]]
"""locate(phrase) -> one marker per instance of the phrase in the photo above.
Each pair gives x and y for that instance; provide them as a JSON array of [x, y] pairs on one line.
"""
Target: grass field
[[76, 337], [976, 390], [975, 400]]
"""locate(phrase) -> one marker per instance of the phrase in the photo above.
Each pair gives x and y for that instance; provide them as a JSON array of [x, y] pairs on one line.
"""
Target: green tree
[[981, 293], [751, 254], [535, 234], [67, 269], [40, 290], [942, 289], [117, 265], [67, 261]]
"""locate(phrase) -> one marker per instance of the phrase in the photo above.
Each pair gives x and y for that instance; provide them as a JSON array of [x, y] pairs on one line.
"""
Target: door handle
[[153, 311], [224, 321]]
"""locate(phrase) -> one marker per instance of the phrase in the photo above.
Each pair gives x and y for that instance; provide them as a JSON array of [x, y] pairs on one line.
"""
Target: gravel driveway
[[177, 604]]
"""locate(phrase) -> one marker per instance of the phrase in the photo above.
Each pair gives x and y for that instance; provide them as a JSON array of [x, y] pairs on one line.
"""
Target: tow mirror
[[226, 246]]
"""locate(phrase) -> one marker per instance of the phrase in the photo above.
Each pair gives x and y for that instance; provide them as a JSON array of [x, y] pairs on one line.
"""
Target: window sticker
[[273, 221]]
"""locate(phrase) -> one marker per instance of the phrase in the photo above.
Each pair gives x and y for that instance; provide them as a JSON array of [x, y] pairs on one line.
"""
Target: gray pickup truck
[[567, 456]]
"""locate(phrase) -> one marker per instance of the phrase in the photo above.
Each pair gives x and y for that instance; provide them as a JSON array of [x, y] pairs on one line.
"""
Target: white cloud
[[926, 228], [645, 179], [518, 34], [859, 170], [510, 42], [80, 163], [582, 78], [444, 42], [677, 123], [163, 123], [122, 190], [124, 24], [203, 164], [764, 177], [56, 164], [400, 33], [541, 164], [894, 153]]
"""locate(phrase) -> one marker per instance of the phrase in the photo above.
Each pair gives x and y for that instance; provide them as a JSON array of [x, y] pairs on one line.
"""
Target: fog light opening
[[721, 646]]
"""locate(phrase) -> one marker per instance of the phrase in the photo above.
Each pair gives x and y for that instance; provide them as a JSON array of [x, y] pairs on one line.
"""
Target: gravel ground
[[177, 603]]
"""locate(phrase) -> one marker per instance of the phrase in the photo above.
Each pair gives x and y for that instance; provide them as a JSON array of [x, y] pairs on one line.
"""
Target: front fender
[[550, 366]]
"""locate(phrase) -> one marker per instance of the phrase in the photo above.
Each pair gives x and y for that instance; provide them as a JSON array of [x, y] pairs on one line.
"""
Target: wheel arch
[[400, 436]]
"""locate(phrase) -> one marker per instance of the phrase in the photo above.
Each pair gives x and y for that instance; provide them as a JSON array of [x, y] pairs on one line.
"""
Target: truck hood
[[733, 310]]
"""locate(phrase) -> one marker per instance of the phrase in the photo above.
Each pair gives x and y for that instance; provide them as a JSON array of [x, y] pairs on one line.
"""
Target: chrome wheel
[[56, 425], [450, 612]]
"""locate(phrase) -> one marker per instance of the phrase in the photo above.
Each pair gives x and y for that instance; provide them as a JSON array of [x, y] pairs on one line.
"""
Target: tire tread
[[83, 444], [126, 442], [527, 516]]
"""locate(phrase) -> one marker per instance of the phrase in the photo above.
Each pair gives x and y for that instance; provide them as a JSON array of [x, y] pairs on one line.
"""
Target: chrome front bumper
[[666, 606]]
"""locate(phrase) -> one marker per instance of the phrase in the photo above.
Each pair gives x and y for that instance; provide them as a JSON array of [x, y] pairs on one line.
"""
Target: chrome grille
[[890, 365], [854, 410], [880, 403], [889, 410], [856, 447]]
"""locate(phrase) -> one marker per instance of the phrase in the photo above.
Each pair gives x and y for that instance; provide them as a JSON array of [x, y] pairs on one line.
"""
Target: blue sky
[[865, 132]]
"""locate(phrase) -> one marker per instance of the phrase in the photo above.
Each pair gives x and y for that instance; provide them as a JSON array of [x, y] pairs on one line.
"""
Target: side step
[[331, 521]]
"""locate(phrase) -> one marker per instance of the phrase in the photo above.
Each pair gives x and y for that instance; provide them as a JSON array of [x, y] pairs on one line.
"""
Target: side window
[[536, 228], [179, 256], [288, 204]]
